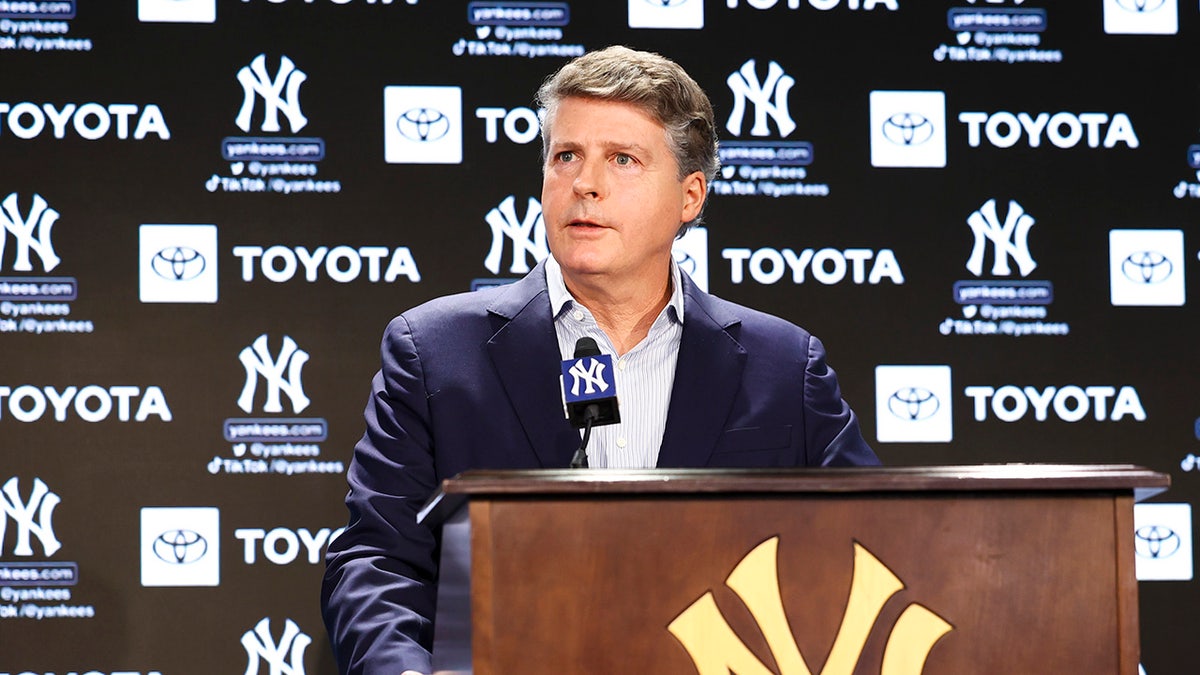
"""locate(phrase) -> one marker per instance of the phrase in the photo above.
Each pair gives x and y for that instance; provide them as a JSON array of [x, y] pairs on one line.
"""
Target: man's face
[[611, 194]]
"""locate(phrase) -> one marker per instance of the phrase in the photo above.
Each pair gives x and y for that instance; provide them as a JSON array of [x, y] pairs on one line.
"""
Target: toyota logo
[[1140, 6], [685, 261], [178, 263], [1146, 267], [907, 129], [180, 547], [423, 125], [913, 404], [1156, 542]]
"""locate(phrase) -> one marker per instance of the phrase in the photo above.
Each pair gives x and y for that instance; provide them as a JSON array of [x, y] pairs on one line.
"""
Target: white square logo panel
[[913, 404], [1162, 542], [180, 546], [1146, 267], [177, 11], [908, 129], [666, 14], [691, 254], [177, 263], [422, 125], [1141, 17]]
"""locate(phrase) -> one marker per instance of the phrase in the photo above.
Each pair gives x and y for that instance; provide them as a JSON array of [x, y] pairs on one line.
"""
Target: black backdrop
[[140, 613]]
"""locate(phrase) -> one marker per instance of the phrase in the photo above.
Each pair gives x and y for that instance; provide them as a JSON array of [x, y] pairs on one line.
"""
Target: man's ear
[[695, 189]]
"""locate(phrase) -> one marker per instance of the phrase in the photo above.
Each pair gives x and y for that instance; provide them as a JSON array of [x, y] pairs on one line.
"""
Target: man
[[472, 381]]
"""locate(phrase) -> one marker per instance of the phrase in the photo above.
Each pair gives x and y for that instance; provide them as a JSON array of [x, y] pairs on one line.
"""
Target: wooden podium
[[1007, 569]]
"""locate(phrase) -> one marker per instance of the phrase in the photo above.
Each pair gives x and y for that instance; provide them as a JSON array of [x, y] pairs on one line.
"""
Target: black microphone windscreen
[[586, 346]]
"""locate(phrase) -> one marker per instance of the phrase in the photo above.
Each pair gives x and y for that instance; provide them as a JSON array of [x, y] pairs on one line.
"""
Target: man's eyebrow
[[632, 147], [607, 146]]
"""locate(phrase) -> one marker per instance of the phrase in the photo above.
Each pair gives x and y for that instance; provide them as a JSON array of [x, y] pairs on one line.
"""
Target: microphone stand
[[579, 461]]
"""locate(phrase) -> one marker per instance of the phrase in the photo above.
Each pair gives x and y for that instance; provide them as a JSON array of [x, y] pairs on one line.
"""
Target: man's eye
[[624, 160], [566, 156]]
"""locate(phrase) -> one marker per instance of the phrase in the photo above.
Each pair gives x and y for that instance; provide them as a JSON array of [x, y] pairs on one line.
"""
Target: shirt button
[[620, 442], [577, 315], [621, 364]]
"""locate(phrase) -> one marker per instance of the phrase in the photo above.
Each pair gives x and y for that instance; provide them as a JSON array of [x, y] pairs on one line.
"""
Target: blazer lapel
[[524, 351], [707, 377]]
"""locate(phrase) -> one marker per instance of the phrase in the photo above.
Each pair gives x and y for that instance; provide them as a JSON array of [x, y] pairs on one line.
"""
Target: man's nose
[[590, 182]]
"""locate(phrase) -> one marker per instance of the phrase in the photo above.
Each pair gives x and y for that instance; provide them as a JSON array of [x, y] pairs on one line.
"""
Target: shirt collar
[[561, 299]]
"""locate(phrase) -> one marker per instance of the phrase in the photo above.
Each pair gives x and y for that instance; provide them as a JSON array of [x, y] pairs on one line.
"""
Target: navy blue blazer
[[471, 381]]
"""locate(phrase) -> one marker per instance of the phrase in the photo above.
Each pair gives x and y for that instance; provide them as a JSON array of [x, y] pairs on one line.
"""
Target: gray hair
[[654, 83]]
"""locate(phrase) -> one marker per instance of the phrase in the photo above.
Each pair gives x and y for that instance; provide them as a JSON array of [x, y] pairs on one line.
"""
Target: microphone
[[590, 393]]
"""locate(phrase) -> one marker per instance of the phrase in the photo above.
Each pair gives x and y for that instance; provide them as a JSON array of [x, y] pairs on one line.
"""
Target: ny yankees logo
[[716, 650], [40, 507], [257, 361], [41, 219], [591, 376], [254, 80], [284, 658], [528, 235], [1009, 239], [745, 86]]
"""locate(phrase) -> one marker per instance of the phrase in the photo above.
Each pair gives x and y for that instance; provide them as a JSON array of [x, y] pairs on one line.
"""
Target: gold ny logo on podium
[[716, 649]]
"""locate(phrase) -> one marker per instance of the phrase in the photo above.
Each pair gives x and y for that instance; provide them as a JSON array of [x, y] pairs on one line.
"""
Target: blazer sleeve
[[833, 437], [378, 594]]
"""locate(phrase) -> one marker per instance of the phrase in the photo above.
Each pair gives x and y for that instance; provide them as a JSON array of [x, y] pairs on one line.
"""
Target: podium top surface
[[1142, 482]]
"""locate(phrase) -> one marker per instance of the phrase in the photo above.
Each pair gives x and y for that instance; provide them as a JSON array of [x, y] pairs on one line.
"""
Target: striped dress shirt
[[644, 375]]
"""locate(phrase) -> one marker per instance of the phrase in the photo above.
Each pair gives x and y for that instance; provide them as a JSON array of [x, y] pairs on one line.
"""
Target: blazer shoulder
[[450, 308], [745, 321], [446, 315], [505, 302], [470, 317]]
